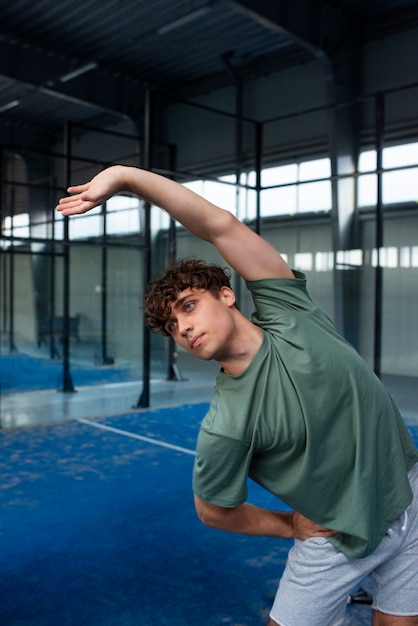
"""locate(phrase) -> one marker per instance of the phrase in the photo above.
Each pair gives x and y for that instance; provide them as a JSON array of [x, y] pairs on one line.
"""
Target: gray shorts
[[318, 578]]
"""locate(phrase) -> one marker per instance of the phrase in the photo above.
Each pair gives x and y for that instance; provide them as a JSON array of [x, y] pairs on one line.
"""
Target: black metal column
[[173, 369], [12, 346], [67, 383], [106, 360], [239, 153], [378, 298], [2, 265], [258, 153], [144, 399], [3, 298], [338, 242], [53, 352]]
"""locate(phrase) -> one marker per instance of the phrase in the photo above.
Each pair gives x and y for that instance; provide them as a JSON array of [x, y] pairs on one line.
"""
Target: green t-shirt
[[310, 422]]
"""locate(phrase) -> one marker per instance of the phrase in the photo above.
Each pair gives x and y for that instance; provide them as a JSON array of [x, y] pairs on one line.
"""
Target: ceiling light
[[78, 72], [9, 105], [181, 21]]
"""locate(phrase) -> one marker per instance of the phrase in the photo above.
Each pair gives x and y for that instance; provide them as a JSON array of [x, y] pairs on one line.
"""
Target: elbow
[[205, 519], [203, 513], [210, 514], [225, 222]]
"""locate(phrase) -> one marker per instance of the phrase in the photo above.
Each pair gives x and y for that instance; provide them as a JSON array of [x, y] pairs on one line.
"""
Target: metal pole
[[336, 219], [105, 358], [53, 352], [239, 155], [144, 399], [174, 372], [2, 265], [172, 255], [4, 296], [258, 153], [380, 114], [67, 380], [12, 347]]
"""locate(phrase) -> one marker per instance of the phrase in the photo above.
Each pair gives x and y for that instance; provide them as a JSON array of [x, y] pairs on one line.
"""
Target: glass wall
[[89, 279], [70, 312]]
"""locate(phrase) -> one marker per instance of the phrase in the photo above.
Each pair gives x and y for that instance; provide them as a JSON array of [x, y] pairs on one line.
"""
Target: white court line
[[134, 436]]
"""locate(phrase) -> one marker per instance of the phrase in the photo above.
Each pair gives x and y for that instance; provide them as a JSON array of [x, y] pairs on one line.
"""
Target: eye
[[189, 306], [170, 326]]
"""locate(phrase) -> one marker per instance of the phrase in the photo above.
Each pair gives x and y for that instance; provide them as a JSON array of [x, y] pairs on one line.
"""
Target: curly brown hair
[[185, 274]]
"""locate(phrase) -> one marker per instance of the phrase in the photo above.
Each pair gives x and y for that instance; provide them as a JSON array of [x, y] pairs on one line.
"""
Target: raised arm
[[246, 252]]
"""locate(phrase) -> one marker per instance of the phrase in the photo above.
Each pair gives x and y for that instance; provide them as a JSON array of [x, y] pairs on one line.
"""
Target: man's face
[[202, 324]]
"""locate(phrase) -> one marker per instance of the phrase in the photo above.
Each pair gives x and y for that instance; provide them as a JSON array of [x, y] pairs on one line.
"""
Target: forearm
[[199, 216], [248, 519]]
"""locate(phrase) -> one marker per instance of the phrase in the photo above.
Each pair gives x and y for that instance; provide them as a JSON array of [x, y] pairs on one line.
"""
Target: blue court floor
[[98, 526]]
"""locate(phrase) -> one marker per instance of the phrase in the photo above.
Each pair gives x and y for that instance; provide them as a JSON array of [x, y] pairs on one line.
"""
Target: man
[[295, 408]]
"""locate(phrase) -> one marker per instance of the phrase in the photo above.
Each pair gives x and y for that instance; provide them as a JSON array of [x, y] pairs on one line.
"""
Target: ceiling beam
[[40, 70], [309, 24]]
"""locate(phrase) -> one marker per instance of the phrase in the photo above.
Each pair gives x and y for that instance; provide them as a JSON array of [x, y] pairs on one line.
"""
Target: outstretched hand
[[94, 193]]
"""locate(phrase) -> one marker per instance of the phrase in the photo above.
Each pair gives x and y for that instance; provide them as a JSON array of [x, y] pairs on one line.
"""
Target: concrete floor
[[44, 407]]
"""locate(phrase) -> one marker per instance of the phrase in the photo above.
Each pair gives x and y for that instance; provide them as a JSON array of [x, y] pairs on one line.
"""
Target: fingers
[[81, 202], [78, 188], [73, 206], [326, 532], [305, 528], [321, 531], [68, 201]]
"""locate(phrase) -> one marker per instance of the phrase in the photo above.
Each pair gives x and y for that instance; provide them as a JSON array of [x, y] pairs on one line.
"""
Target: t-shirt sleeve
[[282, 300], [220, 469], [277, 297]]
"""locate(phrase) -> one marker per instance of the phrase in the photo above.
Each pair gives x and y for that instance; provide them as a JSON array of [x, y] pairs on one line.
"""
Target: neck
[[244, 347]]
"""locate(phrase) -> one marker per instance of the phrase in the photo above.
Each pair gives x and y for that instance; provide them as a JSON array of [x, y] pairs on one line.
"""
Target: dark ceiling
[[93, 60]]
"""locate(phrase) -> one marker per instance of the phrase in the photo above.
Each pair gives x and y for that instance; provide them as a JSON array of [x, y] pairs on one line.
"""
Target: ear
[[227, 295]]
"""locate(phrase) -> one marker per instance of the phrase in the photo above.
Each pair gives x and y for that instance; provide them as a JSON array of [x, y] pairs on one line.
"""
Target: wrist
[[124, 178]]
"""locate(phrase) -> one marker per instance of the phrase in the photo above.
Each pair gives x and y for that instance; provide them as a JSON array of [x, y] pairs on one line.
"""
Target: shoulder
[[288, 291], [298, 281]]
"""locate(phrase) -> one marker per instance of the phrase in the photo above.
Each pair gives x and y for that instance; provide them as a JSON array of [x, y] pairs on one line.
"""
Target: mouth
[[196, 341]]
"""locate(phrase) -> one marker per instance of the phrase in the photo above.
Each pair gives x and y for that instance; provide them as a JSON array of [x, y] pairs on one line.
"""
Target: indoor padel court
[[98, 523]]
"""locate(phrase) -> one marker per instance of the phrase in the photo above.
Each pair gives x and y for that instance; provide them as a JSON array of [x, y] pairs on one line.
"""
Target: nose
[[185, 326]]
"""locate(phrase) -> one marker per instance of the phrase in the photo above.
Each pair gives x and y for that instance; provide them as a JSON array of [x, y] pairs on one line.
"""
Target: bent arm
[[249, 519], [245, 251]]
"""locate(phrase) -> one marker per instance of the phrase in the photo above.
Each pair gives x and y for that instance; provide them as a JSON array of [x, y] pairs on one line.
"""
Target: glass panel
[[367, 161], [400, 186], [367, 190], [398, 156], [324, 261], [405, 256], [220, 194], [88, 225], [18, 226], [315, 196], [280, 201], [280, 175], [123, 222], [319, 168], [304, 261]]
